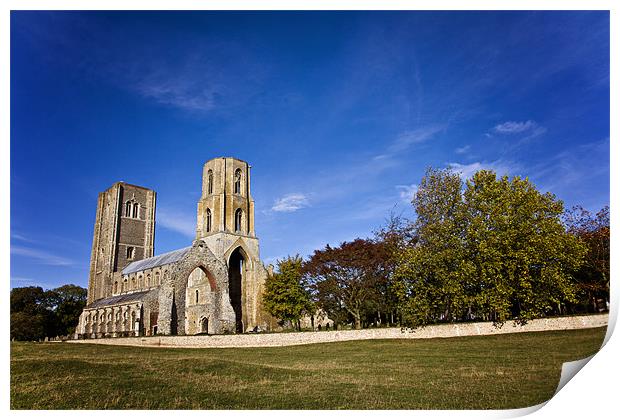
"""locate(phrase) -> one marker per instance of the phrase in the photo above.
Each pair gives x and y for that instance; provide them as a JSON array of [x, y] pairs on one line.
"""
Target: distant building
[[213, 286]]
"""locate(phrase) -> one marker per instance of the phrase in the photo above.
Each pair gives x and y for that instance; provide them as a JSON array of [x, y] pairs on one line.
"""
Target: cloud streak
[[42, 257], [500, 167], [408, 138], [512, 127], [407, 192], [531, 129], [177, 222], [290, 203]]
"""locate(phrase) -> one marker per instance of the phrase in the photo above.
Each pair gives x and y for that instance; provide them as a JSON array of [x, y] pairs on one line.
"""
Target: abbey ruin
[[213, 286]]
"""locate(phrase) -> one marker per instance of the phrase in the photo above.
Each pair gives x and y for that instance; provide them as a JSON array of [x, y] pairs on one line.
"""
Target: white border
[[591, 394]]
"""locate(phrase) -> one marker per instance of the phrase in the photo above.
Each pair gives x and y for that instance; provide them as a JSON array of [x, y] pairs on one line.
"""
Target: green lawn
[[503, 371]]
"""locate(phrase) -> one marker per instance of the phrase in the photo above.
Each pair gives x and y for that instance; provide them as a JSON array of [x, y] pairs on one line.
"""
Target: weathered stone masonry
[[213, 286]]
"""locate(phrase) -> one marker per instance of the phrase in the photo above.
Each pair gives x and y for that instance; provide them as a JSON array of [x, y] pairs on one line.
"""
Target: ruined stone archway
[[236, 277], [172, 294], [204, 325]]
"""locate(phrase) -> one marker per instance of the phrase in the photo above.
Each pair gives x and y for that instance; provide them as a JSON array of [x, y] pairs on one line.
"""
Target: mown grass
[[503, 371]]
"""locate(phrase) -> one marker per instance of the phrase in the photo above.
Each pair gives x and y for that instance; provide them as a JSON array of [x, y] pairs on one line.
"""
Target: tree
[[345, 279], [69, 301], [285, 297], [493, 249], [36, 313], [593, 276], [521, 256], [431, 274]]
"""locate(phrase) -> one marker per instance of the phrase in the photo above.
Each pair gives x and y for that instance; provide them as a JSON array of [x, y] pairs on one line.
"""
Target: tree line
[[38, 313], [487, 248]]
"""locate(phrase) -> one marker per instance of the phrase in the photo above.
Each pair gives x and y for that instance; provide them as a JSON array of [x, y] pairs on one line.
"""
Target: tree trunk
[[358, 322]]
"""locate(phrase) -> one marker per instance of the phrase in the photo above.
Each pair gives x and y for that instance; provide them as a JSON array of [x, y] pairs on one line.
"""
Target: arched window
[[238, 181], [238, 218], [156, 283], [208, 220], [210, 182], [136, 210], [115, 287], [148, 280], [128, 209], [196, 296], [125, 285], [134, 285], [131, 252]]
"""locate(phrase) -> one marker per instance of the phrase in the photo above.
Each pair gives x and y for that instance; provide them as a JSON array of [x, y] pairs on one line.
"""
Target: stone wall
[[291, 339], [173, 294]]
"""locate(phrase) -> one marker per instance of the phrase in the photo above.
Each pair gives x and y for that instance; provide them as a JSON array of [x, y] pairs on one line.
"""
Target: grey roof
[[156, 261], [114, 300]]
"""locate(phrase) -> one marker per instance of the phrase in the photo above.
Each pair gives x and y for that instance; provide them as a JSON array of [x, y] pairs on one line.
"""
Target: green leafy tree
[[521, 257], [431, 275], [494, 248], [36, 314], [32, 315], [285, 296], [68, 300]]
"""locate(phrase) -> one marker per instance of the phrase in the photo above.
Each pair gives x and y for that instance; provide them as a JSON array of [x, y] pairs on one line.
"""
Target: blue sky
[[339, 114]]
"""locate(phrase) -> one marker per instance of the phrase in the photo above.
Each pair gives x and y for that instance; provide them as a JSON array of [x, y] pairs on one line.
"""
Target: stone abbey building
[[212, 286]]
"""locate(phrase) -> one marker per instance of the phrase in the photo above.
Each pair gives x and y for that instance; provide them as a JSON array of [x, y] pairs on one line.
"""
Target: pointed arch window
[[209, 220], [136, 211], [131, 252], [196, 296], [238, 219], [210, 182], [238, 181], [128, 209]]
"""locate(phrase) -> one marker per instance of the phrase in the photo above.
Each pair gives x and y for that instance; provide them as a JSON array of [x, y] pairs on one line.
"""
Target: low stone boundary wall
[[292, 339]]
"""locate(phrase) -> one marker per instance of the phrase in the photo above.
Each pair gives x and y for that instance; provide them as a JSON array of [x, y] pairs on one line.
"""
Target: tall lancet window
[[136, 210], [238, 181], [238, 217], [208, 220], [210, 182], [128, 209]]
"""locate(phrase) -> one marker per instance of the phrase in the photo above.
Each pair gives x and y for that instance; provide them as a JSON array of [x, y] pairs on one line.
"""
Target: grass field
[[503, 371]]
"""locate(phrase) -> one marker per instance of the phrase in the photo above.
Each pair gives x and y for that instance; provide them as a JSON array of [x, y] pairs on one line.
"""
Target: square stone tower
[[124, 232], [225, 222]]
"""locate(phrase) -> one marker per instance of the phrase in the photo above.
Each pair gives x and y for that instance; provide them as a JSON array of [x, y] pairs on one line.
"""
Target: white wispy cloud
[[22, 238], [511, 127], [500, 167], [177, 221], [42, 257], [409, 138], [407, 192], [530, 129], [179, 94], [290, 203], [462, 150]]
